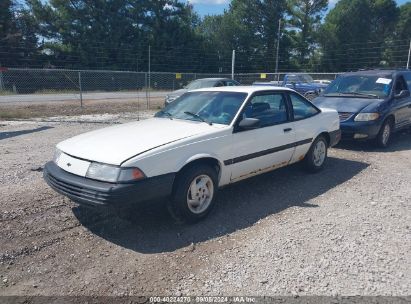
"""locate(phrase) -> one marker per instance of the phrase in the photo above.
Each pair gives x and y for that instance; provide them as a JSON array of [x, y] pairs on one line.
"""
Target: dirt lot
[[345, 231]]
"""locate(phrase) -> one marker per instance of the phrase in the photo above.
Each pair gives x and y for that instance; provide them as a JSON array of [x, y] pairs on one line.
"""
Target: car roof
[[243, 89], [211, 78], [379, 72]]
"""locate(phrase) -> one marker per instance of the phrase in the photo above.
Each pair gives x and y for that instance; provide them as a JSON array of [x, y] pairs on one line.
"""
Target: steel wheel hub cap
[[200, 194], [319, 153]]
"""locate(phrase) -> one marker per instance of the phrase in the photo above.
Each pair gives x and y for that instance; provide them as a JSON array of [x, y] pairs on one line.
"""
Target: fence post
[[1, 81], [81, 90], [146, 86]]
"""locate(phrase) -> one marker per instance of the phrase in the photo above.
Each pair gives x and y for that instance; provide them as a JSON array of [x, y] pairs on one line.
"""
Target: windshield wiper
[[198, 117], [360, 94]]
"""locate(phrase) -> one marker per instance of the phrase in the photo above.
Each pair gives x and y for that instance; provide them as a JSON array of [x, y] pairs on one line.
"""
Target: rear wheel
[[194, 193], [384, 136], [316, 157]]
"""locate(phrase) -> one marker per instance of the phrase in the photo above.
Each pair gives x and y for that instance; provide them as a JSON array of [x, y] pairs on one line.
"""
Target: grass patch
[[14, 114], [6, 93], [72, 108]]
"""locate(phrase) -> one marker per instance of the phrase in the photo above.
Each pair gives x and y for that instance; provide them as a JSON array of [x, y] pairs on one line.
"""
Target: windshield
[[305, 78], [200, 84], [361, 85], [211, 107]]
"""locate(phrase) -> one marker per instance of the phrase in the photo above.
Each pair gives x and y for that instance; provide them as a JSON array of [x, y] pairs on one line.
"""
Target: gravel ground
[[345, 231]]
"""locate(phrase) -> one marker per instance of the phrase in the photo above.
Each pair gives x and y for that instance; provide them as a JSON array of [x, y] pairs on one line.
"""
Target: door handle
[[287, 130]]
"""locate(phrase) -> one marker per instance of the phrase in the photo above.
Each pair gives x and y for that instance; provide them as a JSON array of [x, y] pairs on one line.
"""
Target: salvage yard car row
[[212, 137]]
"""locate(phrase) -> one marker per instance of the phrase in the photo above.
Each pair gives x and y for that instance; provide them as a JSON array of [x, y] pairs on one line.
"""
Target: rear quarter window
[[302, 108]]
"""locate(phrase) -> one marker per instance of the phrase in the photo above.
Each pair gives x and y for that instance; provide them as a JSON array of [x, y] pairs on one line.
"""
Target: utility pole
[[232, 65], [409, 55], [278, 48]]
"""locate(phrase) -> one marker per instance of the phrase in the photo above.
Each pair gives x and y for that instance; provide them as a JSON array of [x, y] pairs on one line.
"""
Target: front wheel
[[194, 193], [384, 136], [317, 155]]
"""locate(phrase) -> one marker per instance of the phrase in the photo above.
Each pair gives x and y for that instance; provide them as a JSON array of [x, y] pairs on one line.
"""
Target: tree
[[397, 49], [18, 40], [355, 32], [116, 34], [306, 17], [250, 27]]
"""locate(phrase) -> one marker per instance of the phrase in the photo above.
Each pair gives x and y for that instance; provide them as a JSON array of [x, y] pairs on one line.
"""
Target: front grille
[[344, 115], [74, 191]]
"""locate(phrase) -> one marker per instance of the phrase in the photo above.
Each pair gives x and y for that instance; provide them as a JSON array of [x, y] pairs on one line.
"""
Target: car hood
[[344, 104], [178, 92], [114, 145]]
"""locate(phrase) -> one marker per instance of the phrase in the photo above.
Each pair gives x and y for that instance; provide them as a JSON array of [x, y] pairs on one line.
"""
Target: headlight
[[112, 174], [56, 156], [366, 117]]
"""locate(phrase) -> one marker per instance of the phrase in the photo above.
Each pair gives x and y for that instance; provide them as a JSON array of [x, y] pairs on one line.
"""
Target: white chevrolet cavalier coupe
[[204, 140]]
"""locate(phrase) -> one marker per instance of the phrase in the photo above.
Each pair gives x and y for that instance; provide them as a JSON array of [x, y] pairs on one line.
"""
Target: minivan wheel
[[384, 136], [194, 193], [316, 157]]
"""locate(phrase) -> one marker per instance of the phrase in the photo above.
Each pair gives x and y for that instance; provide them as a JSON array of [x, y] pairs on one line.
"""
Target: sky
[[213, 7]]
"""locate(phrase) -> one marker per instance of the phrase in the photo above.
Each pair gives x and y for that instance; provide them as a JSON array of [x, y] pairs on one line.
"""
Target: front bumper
[[85, 191], [363, 130]]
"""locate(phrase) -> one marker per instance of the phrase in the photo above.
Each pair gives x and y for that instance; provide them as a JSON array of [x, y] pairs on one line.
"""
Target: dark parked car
[[302, 83], [201, 84], [371, 104]]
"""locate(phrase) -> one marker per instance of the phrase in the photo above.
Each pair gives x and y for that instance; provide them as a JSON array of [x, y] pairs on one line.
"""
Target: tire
[[316, 157], [193, 194], [384, 136]]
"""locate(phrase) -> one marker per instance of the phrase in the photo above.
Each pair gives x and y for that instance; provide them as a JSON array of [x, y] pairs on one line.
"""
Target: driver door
[[402, 106], [268, 146]]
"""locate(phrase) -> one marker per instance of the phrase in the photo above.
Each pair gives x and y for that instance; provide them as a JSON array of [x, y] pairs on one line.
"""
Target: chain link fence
[[149, 89]]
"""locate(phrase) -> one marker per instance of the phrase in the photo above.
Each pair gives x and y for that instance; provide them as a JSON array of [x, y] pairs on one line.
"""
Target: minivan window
[[408, 79], [400, 85]]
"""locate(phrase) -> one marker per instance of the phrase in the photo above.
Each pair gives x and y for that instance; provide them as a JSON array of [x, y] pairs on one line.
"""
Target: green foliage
[[403, 29], [306, 17], [17, 34], [116, 34], [356, 32]]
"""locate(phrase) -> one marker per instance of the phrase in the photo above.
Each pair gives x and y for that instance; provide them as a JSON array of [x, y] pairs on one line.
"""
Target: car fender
[[172, 158], [197, 157], [223, 175]]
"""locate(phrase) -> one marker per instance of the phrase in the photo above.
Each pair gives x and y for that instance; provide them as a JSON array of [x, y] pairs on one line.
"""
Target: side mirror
[[293, 83], [249, 123], [403, 94]]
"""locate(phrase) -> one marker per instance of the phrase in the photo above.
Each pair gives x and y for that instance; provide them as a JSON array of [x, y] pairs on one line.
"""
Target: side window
[[408, 79], [270, 109], [400, 85], [301, 107], [219, 84], [230, 83]]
